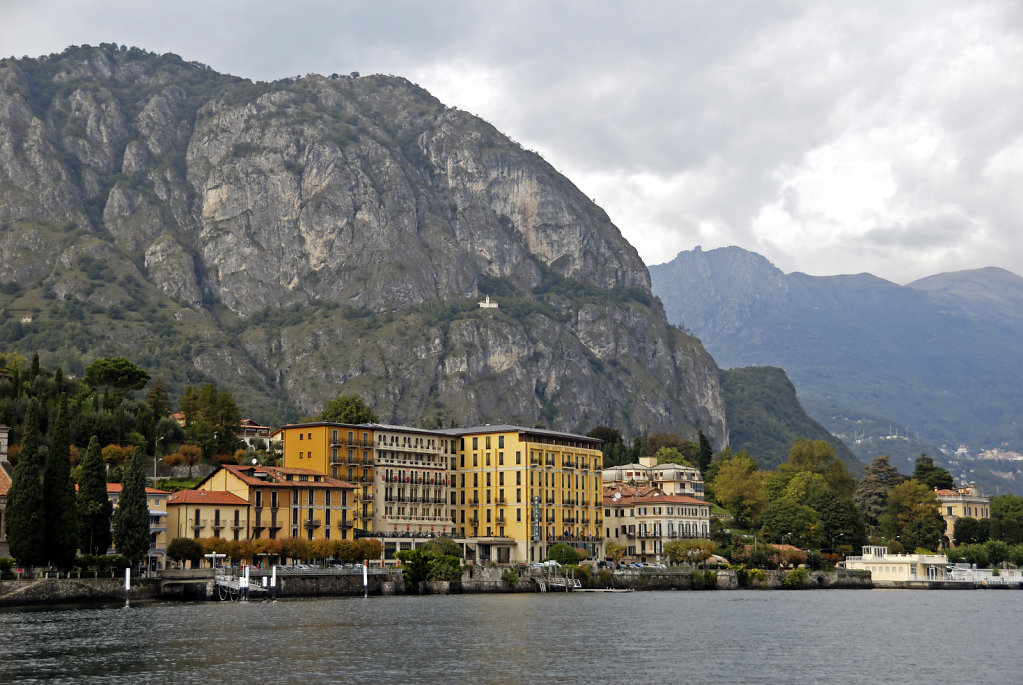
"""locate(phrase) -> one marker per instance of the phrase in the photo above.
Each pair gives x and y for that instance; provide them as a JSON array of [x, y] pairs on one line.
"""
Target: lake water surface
[[857, 636]]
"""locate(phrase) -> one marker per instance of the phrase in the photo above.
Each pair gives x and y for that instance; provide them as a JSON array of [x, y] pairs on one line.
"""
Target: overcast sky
[[831, 137]]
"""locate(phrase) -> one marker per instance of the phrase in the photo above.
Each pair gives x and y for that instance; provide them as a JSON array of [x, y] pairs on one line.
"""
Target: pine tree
[[94, 507], [59, 494], [26, 517], [872, 492], [131, 518], [705, 454]]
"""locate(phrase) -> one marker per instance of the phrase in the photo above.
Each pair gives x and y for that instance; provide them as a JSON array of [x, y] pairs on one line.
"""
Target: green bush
[[445, 567], [705, 580], [511, 577], [795, 579], [741, 575], [583, 573]]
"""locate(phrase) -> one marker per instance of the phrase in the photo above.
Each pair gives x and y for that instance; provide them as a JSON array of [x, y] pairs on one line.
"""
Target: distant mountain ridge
[[298, 239], [941, 357]]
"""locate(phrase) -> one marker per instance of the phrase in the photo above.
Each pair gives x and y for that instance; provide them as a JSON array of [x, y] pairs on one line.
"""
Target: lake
[[864, 636]]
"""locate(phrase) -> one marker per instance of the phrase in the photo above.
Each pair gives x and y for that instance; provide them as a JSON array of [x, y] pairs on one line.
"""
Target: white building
[[898, 567]]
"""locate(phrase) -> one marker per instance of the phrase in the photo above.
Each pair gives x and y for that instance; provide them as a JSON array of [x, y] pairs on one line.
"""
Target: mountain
[[939, 361], [294, 240], [765, 417]]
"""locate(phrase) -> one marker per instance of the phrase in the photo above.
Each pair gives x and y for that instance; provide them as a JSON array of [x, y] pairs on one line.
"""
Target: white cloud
[[830, 137]]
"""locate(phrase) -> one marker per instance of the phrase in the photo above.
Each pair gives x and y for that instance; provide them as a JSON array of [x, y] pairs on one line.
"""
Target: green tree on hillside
[[739, 488], [131, 518], [348, 409], [704, 453], [158, 399], [94, 507], [787, 521], [932, 475], [211, 419], [871, 493], [1007, 518], [59, 494], [116, 373], [818, 456], [26, 514], [671, 455], [912, 517]]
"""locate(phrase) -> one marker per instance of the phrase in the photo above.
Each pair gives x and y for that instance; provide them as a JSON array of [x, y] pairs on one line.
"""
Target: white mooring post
[[365, 579], [273, 582], [244, 583], [127, 585]]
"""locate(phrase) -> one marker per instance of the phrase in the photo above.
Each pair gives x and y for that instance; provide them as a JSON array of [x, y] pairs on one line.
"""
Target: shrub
[[563, 554], [583, 573], [741, 575], [705, 580], [511, 577], [445, 567], [795, 579]]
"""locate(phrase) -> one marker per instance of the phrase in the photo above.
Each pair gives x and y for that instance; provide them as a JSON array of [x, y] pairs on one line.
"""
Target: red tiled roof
[[116, 487], [278, 475], [206, 497], [630, 495]]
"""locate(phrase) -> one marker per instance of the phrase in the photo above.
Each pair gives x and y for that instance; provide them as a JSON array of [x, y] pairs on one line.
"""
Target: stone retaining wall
[[74, 590]]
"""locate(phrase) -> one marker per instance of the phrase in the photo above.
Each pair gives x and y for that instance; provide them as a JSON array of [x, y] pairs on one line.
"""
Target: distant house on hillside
[[487, 303]]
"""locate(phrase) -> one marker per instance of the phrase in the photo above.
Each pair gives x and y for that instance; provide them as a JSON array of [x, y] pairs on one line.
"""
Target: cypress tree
[[94, 507], [59, 494], [26, 516], [131, 518], [705, 454]]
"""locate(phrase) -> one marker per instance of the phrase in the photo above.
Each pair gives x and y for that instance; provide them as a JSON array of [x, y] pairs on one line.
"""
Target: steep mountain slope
[[297, 239], [938, 359], [765, 417]]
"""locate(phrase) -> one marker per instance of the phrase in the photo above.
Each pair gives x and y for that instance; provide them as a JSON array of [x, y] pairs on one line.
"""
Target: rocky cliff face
[[302, 238]]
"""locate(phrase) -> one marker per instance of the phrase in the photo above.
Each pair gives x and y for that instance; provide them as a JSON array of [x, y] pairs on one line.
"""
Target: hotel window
[[518, 457], [475, 443], [488, 442], [301, 437], [500, 458], [500, 441]]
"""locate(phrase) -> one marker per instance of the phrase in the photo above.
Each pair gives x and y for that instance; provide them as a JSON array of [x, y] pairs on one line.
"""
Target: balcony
[[312, 523]]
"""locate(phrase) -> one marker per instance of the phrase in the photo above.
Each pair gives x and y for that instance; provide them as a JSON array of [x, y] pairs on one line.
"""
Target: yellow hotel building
[[403, 475], [521, 490]]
